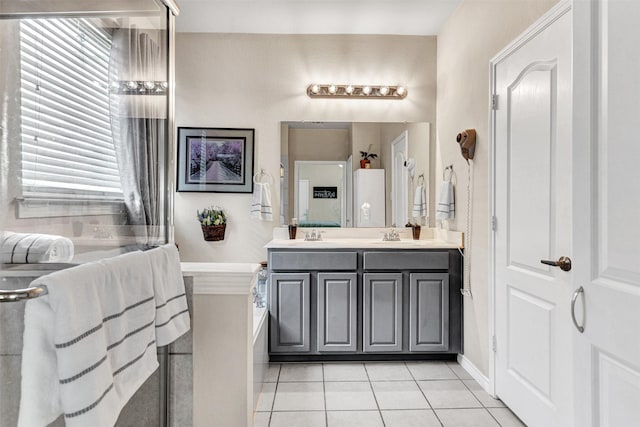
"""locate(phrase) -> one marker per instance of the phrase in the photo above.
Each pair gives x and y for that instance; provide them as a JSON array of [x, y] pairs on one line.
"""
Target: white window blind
[[67, 145]]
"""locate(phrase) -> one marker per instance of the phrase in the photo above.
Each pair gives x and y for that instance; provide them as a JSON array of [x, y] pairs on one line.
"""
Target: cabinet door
[[429, 312], [289, 311], [337, 307], [382, 311]]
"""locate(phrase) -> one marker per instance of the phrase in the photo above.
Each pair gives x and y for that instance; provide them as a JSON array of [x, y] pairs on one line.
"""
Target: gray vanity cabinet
[[337, 312], [428, 312], [382, 312], [364, 304], [289, 312]]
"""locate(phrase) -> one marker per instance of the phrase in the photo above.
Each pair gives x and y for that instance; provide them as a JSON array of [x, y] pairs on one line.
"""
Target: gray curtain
[[138, 122]]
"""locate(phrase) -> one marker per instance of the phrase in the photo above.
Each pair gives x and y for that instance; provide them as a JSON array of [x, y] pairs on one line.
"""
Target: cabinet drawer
[[406, 260], [319, 261]]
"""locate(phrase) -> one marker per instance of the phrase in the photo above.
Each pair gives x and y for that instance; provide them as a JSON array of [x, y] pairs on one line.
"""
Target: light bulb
[[400, 90], [349, 90], [332, 89], [132, 85], [384, 90], [366, 90], [315, 89], [164, 85], [149, 84]]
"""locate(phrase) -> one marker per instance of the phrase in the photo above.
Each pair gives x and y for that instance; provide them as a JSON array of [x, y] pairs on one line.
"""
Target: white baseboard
[[474, 372]]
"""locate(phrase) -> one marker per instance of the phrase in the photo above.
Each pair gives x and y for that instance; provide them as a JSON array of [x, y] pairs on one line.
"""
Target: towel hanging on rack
[[446, 202], [420, 199], [90, 341], [89, 344], [261, 208]]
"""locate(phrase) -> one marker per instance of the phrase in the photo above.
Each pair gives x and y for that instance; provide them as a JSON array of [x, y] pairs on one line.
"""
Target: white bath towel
[[89, 344], [26, 248], [419, 202], [446, 203], [172, 313], [261, 204]]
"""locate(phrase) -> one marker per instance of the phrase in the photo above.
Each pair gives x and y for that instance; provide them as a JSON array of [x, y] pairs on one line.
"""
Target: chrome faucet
[[391, 236], [313, 236]]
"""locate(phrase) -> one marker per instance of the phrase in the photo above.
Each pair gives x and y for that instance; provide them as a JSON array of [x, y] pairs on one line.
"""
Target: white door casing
[[302, 194], [607, 204], [348, 191], [399, 180], [532, 206]]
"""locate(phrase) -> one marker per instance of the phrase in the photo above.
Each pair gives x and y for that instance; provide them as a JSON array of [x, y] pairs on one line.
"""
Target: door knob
[[564, 262]]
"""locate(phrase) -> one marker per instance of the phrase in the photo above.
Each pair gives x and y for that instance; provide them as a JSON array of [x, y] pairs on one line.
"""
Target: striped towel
[[29, 248], [90, 343], [419, 202], [172, 313], [261, 203], [446, 208]]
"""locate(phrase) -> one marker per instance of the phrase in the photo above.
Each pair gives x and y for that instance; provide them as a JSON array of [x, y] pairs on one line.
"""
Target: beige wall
[[257, 81], [476, 32], [365, 135]]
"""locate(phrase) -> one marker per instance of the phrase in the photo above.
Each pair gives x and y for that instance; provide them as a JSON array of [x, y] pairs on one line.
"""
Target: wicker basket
[[213, 233]]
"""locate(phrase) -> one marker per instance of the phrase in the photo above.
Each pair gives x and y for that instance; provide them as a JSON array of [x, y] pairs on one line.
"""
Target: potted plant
[[213, 221], [367, 156]]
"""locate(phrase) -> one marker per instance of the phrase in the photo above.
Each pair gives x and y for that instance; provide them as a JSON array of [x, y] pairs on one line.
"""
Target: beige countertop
[[367, 238], [361, 244]]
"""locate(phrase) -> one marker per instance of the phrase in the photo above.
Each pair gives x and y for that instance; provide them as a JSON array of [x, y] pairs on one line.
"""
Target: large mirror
[[323, 182]]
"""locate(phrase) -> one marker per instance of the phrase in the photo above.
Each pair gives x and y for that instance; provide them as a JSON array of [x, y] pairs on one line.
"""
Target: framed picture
[[216, 160]]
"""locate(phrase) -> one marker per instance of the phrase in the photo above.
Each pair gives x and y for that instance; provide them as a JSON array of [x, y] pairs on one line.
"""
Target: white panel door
[[532, 128], [399, 181], [607, 195]]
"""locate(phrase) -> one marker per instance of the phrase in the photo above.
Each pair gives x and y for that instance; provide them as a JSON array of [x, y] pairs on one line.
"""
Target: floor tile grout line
[[418, 385], [275, 391], [483, 405], [456, 374], [486, 408], [374, 395], [424, 395], [474, 395], [324, 395], [491, 415]]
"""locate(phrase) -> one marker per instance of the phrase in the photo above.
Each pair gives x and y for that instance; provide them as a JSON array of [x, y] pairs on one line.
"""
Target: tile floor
[[377, 394]]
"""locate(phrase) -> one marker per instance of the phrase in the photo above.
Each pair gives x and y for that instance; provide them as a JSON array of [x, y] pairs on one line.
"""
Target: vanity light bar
[[138, 87], [356, 91]]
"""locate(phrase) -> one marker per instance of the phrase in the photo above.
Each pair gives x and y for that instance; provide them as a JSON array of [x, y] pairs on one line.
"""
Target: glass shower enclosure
[[86, 137]]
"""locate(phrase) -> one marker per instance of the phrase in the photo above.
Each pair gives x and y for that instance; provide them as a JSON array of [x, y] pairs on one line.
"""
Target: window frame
[[56, 201]]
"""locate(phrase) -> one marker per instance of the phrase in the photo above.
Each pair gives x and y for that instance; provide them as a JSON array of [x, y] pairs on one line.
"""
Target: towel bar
[[22, 294], [444, 172]]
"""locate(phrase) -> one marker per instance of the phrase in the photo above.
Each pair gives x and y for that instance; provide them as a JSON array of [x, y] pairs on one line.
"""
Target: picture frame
[[215, 160]]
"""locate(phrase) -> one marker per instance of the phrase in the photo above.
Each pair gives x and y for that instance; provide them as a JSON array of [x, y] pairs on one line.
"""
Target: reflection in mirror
[[342, 143], [319, 193]]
